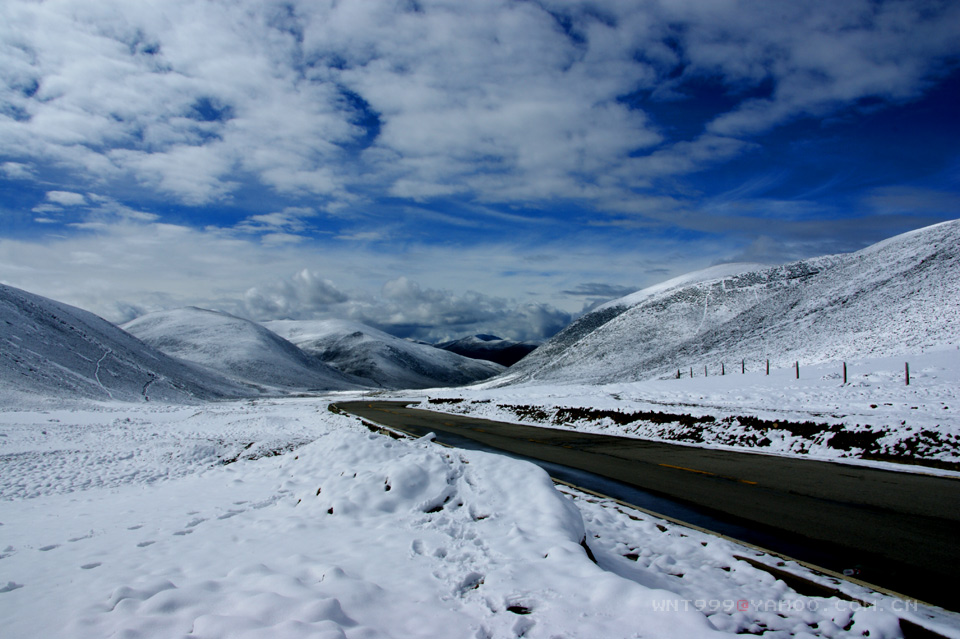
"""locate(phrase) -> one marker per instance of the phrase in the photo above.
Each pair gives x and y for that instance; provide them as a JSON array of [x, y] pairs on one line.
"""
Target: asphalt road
[[901, 529]]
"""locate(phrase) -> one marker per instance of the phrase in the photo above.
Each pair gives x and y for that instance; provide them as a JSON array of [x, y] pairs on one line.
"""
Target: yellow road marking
[[704, 472]]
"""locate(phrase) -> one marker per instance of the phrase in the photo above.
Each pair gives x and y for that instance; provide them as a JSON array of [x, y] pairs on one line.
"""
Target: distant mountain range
[[490, 348], [238, 349], [384, 360], [898, 296], [49, 349]]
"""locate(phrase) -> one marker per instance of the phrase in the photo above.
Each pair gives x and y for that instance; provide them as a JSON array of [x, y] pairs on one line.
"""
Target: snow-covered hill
[[237, 348], [383, 359], [899, 296], [490, 348], [52, 350]]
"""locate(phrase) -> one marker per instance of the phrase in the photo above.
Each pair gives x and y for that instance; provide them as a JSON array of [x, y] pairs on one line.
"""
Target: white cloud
[[404, 308], [490, 99], [17, 170], [126, 262], [280, 226], [66, 198]]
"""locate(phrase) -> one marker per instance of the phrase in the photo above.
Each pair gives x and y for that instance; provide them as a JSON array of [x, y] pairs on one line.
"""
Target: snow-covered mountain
[[383, 359], [237, 348], [52, 350], [898, 296], [490, 348]]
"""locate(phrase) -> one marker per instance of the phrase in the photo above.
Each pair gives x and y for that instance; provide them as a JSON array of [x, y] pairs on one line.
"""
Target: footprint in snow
[[137, 527], [11, 585], [144, 544], [195, 522], [50, 547], [90, 566], [181, 533]]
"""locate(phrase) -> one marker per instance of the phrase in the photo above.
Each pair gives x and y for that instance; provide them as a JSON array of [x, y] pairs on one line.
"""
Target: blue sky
[[438, 168]]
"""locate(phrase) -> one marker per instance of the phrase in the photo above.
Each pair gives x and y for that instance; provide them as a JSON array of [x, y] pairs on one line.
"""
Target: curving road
[[902, 530]]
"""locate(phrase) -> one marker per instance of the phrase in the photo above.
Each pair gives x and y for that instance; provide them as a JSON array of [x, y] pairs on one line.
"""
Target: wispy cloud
[[66, 198]]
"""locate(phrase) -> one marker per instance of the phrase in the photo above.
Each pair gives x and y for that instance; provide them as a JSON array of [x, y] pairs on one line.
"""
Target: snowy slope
[[144, 523], [237, 348], [385, 360], [490, 348], [52, 350], [899, 296]]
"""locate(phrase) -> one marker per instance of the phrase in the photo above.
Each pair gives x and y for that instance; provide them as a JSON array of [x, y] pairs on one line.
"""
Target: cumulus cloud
[[298, 297], [491, 100], [404, 308]]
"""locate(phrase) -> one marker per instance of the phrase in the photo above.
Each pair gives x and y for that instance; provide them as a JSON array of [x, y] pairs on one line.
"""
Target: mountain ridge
[[53, 350], [902, 293], [238, 349], [385, 360], [490, 348]]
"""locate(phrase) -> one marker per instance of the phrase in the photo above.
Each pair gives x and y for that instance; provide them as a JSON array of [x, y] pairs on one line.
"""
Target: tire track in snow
[[96, 373]]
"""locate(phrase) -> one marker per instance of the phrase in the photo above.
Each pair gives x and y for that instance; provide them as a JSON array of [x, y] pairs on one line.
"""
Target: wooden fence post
[[844, 372], [797, 364], [743, 367], [906, 372], [768, 367]]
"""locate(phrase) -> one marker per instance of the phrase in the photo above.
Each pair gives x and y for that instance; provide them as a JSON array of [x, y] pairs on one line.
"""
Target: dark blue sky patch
[[694, 102], [208, 109], [363, 116], [30, 88]]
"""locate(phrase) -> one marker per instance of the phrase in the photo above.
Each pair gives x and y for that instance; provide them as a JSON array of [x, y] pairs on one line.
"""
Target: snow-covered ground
[[874, 418], [279, 518]]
